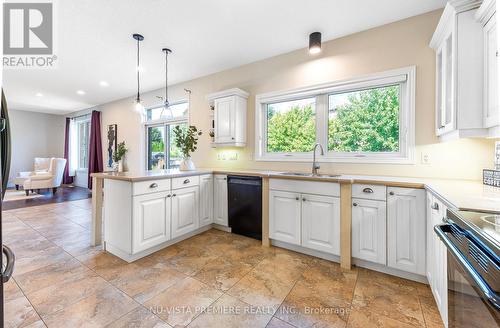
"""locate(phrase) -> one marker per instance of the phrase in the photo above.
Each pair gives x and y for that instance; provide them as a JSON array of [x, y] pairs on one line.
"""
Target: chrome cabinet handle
[[368, 190], [153, 185], [168, 196], [174, 195], [391, 193], [187, 181], [435, 206], [354, 204]]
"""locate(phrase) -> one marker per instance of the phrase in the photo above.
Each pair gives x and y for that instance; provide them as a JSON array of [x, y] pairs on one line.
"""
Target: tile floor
[[211, 280]]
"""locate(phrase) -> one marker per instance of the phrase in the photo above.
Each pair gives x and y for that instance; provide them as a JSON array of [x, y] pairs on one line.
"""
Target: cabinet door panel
[[151, 221], [284, 216], [321, 223], [492, 110], [206, 200], [224, 119], [220, 203], [406, 229], [369, 230], [184, 211]]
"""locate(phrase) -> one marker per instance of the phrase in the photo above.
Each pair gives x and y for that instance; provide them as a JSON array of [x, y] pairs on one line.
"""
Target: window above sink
[[362, 120]]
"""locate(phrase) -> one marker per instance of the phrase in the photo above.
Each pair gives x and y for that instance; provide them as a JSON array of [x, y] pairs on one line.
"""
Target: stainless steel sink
[[300, 174]]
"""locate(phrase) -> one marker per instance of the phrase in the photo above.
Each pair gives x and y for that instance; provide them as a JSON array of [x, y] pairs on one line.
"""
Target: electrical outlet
[[426, 159]]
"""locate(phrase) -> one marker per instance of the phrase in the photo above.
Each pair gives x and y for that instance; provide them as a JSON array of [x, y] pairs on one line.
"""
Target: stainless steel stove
[[473, 243]]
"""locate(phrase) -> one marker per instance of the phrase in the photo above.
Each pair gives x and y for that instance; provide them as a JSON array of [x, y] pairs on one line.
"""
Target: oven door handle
[[9, 267], [478, 281]]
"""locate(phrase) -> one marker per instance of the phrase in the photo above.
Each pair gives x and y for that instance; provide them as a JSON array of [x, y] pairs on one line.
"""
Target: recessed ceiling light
[[39, 94], [80, 92], [104, 84]]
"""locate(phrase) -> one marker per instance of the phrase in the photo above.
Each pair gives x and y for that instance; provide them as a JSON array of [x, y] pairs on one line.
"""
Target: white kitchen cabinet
[[206, 200], [369, 230], [220, 200], [305, 213], [285, 216], [151, 223], [486, 16], [185, 204], [458, 43], [406, 229], [321, 223], [230, 110], [437, 256]]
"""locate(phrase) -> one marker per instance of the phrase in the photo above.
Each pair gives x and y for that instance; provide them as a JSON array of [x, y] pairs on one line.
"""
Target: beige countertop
[[459, 194]]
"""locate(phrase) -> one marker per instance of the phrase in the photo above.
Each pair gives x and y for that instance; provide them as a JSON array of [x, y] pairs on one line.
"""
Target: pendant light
[[138, 105], [166, 104], [315, 43]]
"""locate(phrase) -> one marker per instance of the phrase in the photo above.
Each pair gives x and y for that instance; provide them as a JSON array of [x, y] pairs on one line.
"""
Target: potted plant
[[186, 139], [211, 133], [118, 155]]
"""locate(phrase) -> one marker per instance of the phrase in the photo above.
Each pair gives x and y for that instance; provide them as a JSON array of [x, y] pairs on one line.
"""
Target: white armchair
[[46, 180], [40, 165]]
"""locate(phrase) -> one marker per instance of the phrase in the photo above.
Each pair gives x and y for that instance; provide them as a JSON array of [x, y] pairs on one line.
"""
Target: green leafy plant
[[120, 152], [186, 139]]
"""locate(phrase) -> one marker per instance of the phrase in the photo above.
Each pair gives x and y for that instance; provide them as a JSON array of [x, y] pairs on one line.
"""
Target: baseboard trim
[[307, 251]]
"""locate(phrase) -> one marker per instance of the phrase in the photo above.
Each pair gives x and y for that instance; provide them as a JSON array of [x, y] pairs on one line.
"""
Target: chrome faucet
[[316, 166]]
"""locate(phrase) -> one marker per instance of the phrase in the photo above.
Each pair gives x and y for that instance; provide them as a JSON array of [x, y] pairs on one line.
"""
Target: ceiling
[[94, 42]]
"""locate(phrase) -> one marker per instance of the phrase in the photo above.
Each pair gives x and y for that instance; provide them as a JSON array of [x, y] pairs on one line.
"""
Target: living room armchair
[[40, 165], [46, 180]]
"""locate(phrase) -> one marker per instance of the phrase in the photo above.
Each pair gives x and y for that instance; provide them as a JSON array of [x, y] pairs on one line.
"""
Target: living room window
[[368, 119], [161, 151], [83, 137]]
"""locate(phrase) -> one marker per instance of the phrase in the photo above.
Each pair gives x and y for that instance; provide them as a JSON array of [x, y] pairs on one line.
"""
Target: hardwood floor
[[63, 194], [215, 279]]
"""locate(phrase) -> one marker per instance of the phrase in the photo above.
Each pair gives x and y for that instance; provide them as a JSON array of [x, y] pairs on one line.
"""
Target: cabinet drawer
[[150, 186], [306, 187], [184, 182], [366, 191]]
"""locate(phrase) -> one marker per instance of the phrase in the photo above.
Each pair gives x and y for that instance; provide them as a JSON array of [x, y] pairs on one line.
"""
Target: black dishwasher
[[245, 205]]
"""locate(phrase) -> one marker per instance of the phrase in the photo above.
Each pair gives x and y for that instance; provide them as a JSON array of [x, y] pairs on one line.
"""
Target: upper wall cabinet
[[230, 113], [486, 16], [458, 42]]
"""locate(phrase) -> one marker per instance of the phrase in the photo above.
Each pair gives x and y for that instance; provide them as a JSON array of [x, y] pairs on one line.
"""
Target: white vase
[[187, 164], [120, 166]]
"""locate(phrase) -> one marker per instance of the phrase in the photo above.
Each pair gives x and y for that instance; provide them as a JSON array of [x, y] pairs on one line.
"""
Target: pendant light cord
[[138, 71], [166, 79]]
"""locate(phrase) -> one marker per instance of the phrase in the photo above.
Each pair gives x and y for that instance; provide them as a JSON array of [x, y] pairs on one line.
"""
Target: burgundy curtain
[[67, 179], [95, 146]]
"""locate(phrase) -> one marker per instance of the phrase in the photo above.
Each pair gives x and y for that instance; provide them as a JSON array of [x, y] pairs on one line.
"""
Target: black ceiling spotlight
[[315, 43], [138, 104]]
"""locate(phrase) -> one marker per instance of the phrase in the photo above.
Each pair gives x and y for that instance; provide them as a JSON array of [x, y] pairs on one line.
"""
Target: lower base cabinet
[[206, 200], [321, 223], [437, 265], [220, 200], [151, 224], [284, 216], [308, 220], [185, 205], [369, 230], [406, 229]]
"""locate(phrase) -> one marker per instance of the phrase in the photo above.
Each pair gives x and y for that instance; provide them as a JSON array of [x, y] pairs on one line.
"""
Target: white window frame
[[162, 122], [405, 77]]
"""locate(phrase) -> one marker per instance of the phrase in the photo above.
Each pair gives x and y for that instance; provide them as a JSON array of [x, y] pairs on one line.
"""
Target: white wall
[[34, 135]]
